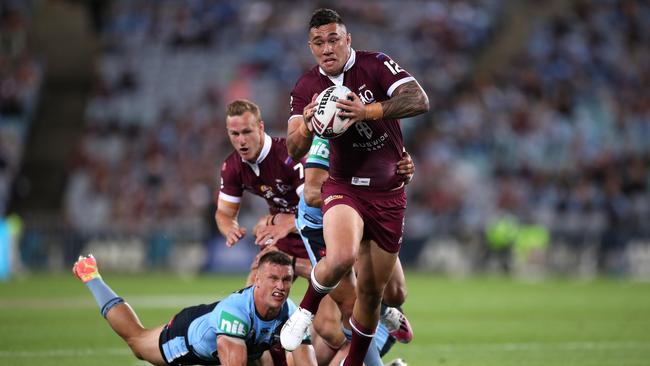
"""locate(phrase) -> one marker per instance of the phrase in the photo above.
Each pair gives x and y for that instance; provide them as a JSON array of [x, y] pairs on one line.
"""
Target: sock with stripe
[[105, 297]]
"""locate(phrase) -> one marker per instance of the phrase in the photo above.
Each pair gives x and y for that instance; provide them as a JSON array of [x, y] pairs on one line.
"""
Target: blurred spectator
[[20, 80], [560, 136]]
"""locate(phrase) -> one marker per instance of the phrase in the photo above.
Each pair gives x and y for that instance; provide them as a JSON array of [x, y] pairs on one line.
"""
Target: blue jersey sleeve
[[319, 154], [233, 318]]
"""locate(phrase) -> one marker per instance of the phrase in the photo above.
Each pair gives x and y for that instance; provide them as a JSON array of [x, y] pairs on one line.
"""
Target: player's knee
[[370, 295], [394, 295], [341, 263]]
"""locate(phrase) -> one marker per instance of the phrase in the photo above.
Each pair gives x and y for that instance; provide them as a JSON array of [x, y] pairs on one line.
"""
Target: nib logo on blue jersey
[[232, 325]]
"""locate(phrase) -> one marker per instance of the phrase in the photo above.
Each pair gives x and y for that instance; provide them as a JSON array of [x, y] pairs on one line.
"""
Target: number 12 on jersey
[[393, 67]]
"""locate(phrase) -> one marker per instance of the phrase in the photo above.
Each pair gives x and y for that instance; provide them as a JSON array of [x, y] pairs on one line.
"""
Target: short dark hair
[[275, 257], [241, 106], [324, 16]]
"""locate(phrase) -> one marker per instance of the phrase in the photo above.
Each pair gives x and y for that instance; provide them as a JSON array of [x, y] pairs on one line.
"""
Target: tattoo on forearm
[[408, 100]]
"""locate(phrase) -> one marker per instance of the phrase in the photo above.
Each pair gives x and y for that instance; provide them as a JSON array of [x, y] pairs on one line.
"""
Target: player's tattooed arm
[[408, 100]]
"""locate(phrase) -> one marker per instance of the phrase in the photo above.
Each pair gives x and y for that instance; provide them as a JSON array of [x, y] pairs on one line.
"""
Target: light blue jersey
[[234, 316], [318, 157]]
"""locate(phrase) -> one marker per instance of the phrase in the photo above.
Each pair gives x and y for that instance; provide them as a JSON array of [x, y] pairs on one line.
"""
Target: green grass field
[[52, 319]]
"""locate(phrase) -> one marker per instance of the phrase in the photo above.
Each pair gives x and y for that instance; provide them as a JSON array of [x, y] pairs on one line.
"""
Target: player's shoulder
[[231, 163], [280, 151], [279, 148], [371, 57], [307, 80], [278, 143], [234, 316], [238, 301]]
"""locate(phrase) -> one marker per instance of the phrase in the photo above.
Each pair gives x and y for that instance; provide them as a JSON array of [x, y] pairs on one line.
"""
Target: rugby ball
[[326, 121]]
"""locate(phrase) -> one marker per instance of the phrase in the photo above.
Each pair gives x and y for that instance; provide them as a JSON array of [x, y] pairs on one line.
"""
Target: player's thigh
[[343, 230], [375, 267]]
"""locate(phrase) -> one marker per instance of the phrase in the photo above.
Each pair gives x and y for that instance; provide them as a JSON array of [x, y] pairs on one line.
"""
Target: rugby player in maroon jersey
[[363, 200], [261, 165]]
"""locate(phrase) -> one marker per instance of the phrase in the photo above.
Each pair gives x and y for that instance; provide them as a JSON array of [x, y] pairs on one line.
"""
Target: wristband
[[374, 111]]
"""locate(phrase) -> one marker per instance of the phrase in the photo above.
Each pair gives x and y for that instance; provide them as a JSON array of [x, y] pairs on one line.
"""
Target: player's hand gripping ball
[[326, 121]]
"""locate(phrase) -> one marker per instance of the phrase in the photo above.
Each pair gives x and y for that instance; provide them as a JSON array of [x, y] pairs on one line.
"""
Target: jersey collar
[[348, 65], [266, 147]]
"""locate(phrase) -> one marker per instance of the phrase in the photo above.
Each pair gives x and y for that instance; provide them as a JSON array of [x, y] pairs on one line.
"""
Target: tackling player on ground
[[363, 200], [235, 331]]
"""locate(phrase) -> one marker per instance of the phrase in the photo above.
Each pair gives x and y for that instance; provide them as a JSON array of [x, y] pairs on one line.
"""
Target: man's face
[[273, 283], [330, 45], [246, 135]]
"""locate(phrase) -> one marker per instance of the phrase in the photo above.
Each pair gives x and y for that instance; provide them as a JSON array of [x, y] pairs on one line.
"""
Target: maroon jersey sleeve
[[302, 92], [231, 181], [389, 74]]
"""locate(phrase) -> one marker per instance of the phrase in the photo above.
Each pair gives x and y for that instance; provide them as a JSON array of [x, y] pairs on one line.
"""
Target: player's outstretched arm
[[231, 351], [300, 132], [226, 217]]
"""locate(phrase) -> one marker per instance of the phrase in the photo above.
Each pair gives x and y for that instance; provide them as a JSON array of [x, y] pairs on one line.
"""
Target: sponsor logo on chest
[[366, 95]]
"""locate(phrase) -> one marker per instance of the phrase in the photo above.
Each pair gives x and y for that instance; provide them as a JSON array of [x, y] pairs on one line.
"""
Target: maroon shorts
[[292, 244], [382, 212]]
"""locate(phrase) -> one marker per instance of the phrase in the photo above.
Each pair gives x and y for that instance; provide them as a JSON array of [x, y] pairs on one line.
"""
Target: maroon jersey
[[275, 177], [367, 153]]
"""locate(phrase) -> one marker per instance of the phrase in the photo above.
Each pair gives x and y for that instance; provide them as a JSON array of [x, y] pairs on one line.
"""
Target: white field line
[[88, 352], [491, 347], [151, 302], [533, 346]]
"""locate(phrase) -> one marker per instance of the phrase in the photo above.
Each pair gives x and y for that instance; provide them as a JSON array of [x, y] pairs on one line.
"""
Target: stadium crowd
[[155, 123], [560, 136], [21, 75]]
